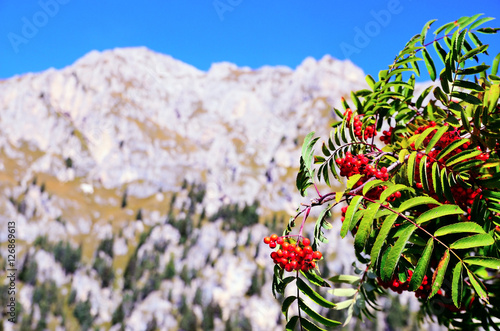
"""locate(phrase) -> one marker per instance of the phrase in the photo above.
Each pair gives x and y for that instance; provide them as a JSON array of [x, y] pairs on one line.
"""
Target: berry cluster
[[462, 196], [358, 125], [399, 286], [358, 164], [293, 255], [386, 137]]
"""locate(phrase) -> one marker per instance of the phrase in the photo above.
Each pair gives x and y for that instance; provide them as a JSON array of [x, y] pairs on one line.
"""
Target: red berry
[[267, 240], [272, 244], [306, 242], [317, 255], [274, 237], [280, 241]]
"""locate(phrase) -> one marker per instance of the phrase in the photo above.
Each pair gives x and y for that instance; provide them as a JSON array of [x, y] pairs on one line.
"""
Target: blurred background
[[147, 148]]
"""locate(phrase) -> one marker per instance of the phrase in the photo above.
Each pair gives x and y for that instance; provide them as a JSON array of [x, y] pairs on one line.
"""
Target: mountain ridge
[[109, 97]]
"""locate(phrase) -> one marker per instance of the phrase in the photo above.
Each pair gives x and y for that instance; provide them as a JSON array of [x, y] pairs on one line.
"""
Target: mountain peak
[[134, 117]]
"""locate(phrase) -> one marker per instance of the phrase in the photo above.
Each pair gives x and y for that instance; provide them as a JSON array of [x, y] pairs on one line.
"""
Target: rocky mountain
[[141, 187]]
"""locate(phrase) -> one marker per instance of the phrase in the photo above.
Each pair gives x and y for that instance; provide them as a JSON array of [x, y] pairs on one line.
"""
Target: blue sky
[[37, 35]]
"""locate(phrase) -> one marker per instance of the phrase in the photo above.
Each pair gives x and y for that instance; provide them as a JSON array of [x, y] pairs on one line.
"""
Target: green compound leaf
[[313, 295], [317, 317], [450, 148], [488, 30], [464, 21], [382, 236], [474, 52], [371, 82], [473, 70], [491, 98], [444, 27], [349, 215], [422, 96], [469, 98], [307, 150], [464, 155], [343, 292], [352, 181], [344, 304], [445, 184], [411, 167], [458, 45], [426, 27], [463, 227], [409, 59], [460, 167], [494, 67], [484, 261], [422, 265], [422, 136], [423, 173], [438, 276], [477, 285], [478, 240], [395, 252], [286, 304], [479, 22], [436, 180], [314, 278], [439, 211], [456, 285], [345, 279], [393, 189], [322, 223], [290, 326], [365, 227], [371, 184], [441, 52], [429, 63], [468, 85], [303, 180], [435, 138], [417, 201]]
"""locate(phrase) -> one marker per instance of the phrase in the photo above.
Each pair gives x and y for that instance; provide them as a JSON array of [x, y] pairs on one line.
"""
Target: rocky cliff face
[[138, 118], [152, 169]]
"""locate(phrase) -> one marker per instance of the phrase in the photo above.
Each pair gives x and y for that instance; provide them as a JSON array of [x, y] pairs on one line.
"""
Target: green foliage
[[68, 256], [423, 201], [29, 271], [106, 246], [83, 315], [236, 218], [105, 270], [45, 295], [169, 271]]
